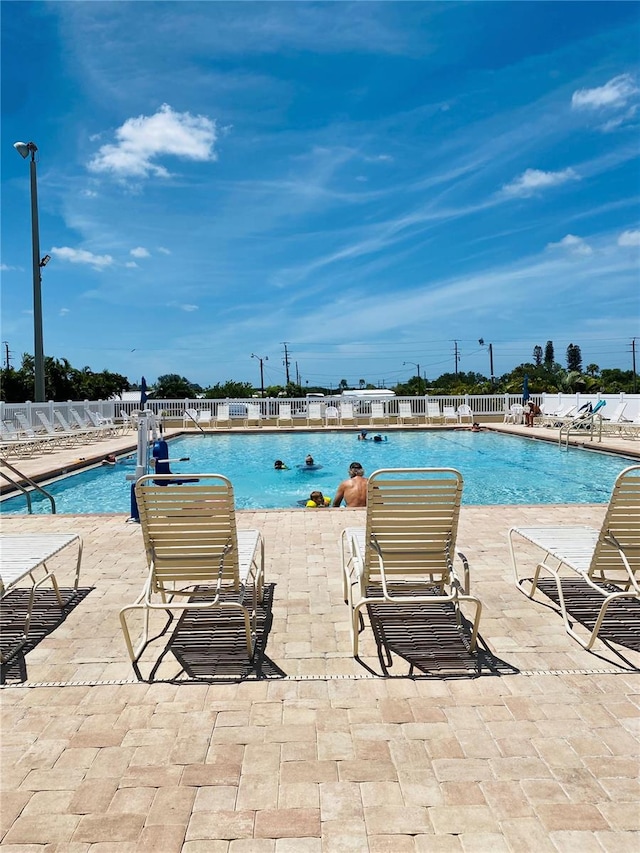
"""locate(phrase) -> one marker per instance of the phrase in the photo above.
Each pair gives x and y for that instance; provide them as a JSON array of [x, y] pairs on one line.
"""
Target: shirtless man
[[354, 490]]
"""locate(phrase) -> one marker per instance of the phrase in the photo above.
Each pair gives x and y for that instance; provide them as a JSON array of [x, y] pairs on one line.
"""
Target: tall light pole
[[417, 366], [261, 360], [490, 348], [24, 149]]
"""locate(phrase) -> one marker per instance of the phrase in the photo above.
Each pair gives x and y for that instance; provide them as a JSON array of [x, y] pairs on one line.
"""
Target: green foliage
[[171, 386], [549, 356], [574, 358], [233, 390], [61, 380], [537, 355]]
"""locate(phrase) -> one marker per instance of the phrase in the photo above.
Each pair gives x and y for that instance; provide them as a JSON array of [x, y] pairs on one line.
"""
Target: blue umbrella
[[525, 388], [143, 393]]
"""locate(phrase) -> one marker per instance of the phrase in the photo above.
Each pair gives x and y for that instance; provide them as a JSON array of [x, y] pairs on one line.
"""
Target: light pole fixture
[[490, 348], [261, 360], [25, 149], [417, 366]]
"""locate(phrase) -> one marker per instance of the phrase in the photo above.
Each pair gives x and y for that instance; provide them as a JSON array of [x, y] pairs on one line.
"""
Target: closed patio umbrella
[[525, 388], [143, 393]]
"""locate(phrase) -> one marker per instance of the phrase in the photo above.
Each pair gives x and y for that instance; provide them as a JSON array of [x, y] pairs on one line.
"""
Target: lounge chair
[[285, 417], [314, 414], [13, 442], [24, 556], [405, 553], [62, 438], [378, 414], [190, 417], [223, 416], [405, 415], [347, 416], [204, 417], [434, 415], [616, 423], [465, 412], [608, 560], [561, 416], [101, 422], [449, 414], [194, 551], [42, 441], [254, 415]]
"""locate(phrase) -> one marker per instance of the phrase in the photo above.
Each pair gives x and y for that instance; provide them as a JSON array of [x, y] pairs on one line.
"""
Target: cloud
[[81, 256], [143, 139], [7, 268], [64, 311], [188, 307], [163, 251], [132, 265], [533, 180], [629, 238], [613, 94], [573, 245], [140, 252]]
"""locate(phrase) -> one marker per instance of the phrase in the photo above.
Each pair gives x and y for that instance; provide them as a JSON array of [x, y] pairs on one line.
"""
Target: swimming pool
[[497, 469]]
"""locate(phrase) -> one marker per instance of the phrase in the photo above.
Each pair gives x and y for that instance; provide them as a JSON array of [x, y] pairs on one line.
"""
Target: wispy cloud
[[188, 308], [142, 140], [629, 238], [616, 93], [64, 311], [163, 251], [81, 256], [573, 245], [533, 181], [140, 252]]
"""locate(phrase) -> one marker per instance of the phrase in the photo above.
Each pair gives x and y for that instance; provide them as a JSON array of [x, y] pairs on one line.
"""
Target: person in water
[[109, 459], [362, 435], [475, 427], [279, 465], [354, 490], [379, 438], [309, 460], [317, 499]]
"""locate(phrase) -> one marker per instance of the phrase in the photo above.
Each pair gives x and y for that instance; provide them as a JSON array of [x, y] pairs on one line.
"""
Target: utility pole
[[456, 355], [7, 363], [633, 361], [286, 361], [297, 374]]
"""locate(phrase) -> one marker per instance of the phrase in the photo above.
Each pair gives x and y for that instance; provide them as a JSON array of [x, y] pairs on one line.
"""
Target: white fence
[[483, 406]]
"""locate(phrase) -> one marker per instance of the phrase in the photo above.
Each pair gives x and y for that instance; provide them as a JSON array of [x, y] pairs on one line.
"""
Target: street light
[[417, 366], [24, 149], [490, 348], [261, 360]]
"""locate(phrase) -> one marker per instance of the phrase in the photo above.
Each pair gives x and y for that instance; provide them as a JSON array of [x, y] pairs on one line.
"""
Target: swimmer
[[362, 435], [475, 427], [379, 438], [279, 465], [309, 460], [317, 499], [109, 459]]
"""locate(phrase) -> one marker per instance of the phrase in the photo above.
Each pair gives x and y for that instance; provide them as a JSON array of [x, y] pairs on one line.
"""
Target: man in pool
[[354, 490]]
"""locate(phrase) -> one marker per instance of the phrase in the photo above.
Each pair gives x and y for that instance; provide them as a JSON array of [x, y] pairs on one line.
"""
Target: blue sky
[[371, 183]]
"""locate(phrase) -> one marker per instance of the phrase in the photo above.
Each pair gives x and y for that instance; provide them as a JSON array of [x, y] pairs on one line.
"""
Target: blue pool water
[[497, 469]]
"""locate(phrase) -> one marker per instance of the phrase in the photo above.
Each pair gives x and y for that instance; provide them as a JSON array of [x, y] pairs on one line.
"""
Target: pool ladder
[[26, 492]]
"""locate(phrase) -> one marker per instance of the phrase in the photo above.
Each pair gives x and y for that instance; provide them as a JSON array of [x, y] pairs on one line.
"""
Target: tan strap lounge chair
[[405, 553], [608, 560], [195, 552], [26, 556]]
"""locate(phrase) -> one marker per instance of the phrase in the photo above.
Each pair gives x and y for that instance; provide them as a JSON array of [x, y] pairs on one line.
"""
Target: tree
[[593, 369], [230, 389], [343, 385], [549, 356], [574, 358], [171, 386], [537, 355], [362, 383]]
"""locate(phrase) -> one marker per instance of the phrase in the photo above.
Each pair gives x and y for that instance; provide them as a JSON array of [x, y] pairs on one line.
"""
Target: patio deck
[[531, 745]]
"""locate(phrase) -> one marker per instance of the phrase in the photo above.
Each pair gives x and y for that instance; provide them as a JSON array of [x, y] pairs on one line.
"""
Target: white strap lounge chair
[[26, 556], [285, 417], [195, 553], [434, 415], [314, 414], [449, 414], [347, 416], [608, 560], [405, 415], [43, 442], [223, 416], [405, 553], [378, 414], [204, 417], [190, 417], [254, 415], [616, 423]]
